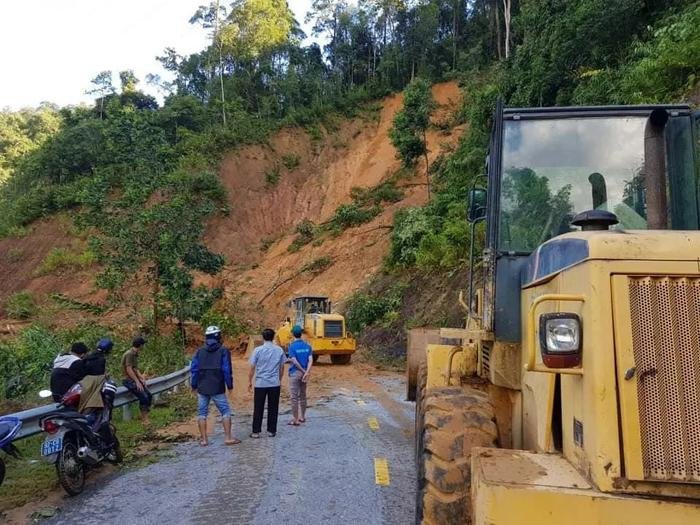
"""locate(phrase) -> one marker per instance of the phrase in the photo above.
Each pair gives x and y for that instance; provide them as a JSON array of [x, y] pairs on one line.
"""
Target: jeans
[[220, 400], [272, 394], [297, 393], [144, 396]]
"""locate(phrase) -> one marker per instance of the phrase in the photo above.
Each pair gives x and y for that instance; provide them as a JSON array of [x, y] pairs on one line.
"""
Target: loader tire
[[454, 420], [342, 359]]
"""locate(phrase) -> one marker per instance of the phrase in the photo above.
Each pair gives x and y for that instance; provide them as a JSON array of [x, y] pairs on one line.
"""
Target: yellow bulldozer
[[573, 393], [323, 330]]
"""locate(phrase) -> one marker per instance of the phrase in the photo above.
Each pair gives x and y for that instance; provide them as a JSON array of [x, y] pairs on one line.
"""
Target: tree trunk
[[496, 24], [427, 164], [154, 298], [221, 64], [506, 23], [454, 34]]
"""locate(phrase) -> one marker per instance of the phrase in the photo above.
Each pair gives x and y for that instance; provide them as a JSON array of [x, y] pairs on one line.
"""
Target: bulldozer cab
[[546, 165], [309, 305]]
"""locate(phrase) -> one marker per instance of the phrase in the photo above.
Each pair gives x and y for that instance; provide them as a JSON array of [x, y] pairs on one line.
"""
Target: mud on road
[[321, 472]]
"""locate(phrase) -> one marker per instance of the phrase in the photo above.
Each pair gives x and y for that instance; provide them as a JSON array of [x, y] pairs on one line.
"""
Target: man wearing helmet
[[96, 362], [211, 375]]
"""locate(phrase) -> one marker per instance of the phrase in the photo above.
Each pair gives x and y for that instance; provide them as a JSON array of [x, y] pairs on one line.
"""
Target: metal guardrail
[[30, 418]]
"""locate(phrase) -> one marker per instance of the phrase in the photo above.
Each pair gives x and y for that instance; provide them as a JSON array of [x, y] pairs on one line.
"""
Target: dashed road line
[[381, 472], [373, 423]]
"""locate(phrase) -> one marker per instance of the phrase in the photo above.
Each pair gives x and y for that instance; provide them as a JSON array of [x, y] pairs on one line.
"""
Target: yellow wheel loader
[[573, 395], [324, 331]]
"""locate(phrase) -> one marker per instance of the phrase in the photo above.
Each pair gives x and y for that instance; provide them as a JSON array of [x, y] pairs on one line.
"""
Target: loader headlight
[[560, 339]]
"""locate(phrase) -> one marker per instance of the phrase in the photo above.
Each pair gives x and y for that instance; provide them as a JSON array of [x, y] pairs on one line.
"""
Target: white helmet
[[212, 330]]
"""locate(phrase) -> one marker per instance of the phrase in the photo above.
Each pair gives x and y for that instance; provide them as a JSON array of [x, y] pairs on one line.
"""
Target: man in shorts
[[211, 375]]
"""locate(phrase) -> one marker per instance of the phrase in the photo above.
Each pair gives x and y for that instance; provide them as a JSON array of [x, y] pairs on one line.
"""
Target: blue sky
[[51, 49]]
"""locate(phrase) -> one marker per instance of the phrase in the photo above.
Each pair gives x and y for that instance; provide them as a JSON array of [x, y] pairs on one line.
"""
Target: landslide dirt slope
[[358, 154], [355, 153]]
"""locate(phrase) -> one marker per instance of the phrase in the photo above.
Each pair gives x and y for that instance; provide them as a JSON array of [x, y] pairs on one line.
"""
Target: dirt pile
[[298, 175]]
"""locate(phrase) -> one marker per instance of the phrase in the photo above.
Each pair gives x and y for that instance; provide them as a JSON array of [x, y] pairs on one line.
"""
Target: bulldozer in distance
[[572, 395], [325, 331]]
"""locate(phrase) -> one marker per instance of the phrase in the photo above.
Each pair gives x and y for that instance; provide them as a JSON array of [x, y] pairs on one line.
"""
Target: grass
[[21, 305], [291, 161], [30, 478], [61, 259]]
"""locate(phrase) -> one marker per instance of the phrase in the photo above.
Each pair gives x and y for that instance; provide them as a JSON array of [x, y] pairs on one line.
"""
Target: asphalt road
[[321, 472]]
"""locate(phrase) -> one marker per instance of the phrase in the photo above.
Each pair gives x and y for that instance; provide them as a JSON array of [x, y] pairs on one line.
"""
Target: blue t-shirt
[[267, 360], [301, 350]]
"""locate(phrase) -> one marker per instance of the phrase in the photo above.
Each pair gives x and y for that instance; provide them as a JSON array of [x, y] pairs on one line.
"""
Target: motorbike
[[9, 426], [76, 441]]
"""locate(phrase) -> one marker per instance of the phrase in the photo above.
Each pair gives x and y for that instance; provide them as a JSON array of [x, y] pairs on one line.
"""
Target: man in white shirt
[[267, 365]]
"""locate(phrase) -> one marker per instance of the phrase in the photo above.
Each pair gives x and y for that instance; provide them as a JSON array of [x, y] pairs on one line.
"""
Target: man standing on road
[[267, 365], [211, 375], [134, 380], [301, 357]]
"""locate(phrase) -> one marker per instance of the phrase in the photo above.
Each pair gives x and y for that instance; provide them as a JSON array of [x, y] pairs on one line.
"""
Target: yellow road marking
[[360, 402], [373, 423], [381, 472]]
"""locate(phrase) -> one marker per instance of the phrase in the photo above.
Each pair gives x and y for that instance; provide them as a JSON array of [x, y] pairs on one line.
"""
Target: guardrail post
[[126, 412]]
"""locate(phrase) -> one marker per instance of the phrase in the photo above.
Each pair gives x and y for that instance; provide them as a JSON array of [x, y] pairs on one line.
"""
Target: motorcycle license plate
[[51, 446]]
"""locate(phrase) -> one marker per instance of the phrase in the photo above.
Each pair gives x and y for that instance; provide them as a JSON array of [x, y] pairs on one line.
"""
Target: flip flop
[[203, 443], [302, 421], [232, 442], [293, 423]]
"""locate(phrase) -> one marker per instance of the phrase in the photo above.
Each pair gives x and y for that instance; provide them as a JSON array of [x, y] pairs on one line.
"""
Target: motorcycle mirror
[[45, 393]]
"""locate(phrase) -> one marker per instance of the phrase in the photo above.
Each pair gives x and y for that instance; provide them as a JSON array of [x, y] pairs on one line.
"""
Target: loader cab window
[[553, 169]]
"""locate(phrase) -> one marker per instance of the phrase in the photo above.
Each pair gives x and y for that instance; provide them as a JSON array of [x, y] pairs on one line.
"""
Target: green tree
[[153, 239], [102, 87], [408, 133]]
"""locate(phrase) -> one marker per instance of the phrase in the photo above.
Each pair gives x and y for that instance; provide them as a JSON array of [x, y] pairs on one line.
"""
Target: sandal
[[293, 423], [203, 443], [234, 441]]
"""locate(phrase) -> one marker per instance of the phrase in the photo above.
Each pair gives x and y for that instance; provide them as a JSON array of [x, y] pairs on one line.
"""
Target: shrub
[[21, 305], [318, 266], [365, 310], [272, 176], [291, 161], [59, 259], [306, 231], [349, 215]]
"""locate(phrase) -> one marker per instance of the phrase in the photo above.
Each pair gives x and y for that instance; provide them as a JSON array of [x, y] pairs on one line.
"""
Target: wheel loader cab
[[586, 323]]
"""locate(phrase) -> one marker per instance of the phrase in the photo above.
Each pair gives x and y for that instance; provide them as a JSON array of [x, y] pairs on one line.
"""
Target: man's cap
[[138, 342], [297, 330], [79, 348]]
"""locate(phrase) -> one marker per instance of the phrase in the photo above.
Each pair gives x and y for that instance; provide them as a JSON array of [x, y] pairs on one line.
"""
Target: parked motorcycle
[[9, 426], [78, 441]]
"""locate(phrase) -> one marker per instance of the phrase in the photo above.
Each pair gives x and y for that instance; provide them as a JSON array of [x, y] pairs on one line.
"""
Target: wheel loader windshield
[[553, 169]]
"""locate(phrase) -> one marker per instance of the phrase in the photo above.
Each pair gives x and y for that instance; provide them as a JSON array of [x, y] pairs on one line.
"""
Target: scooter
[[75, 441], [9, 426]]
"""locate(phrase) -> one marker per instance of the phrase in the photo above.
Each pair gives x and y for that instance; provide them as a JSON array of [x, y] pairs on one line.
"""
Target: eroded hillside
[[271, 189]]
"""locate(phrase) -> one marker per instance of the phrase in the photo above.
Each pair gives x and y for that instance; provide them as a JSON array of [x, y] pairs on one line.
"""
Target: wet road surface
[[321, 472]]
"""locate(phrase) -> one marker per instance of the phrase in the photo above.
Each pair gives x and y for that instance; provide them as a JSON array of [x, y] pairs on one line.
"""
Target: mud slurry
[[320, 472]]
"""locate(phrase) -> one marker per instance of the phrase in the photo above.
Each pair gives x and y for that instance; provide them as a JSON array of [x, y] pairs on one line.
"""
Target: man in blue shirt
[[267, 365], [301, 357]]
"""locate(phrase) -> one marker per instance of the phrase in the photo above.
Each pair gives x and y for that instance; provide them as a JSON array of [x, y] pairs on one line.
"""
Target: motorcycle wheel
[[70, 470], [2, 471]]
